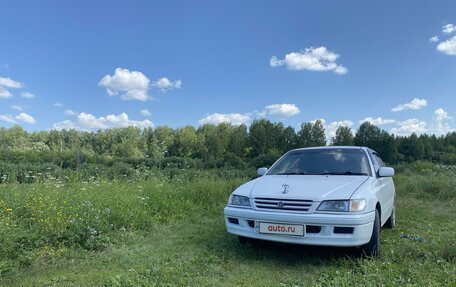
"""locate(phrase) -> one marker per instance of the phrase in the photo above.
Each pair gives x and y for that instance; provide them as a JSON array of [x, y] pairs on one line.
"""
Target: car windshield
[[322, 162]]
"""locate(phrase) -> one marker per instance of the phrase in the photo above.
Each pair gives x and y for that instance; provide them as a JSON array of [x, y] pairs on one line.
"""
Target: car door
[[385, 193]]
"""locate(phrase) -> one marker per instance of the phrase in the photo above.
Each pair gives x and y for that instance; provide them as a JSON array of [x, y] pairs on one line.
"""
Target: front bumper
[[322, 229]]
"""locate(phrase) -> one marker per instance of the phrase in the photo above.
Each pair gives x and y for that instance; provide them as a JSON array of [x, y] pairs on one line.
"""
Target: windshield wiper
[[348, 172], [291, 173]]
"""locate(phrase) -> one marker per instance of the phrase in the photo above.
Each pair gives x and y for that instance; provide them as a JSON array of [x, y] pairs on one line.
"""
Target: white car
[[334, 196]]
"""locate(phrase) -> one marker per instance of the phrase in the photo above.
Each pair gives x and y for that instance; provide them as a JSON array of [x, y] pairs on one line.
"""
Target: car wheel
[[391, 222], [372, 248]]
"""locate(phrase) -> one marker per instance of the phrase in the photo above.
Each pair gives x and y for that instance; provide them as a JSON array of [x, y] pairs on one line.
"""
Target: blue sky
[[90, 65]]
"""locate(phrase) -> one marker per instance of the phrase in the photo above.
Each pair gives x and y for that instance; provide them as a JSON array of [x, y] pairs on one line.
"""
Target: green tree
[[344, 137], [210, 145], [128, 142], [318, 134], [411, 148], [261, 137], [368, 135], [304, 136], [238, 140], [165, 138], [288, 139], [185, 142], [387, 147], [311, 134]]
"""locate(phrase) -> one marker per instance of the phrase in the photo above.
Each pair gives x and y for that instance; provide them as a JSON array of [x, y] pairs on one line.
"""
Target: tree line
[[213, 145]]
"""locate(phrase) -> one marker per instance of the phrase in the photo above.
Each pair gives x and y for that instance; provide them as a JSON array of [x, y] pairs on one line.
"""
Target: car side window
[[379, 160], [374, 161]]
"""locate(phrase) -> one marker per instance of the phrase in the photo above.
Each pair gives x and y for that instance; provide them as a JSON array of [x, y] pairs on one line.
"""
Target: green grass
[[162, 232]]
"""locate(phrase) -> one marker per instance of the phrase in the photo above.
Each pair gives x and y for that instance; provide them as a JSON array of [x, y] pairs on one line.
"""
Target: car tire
[[391, 222], [372, 248]]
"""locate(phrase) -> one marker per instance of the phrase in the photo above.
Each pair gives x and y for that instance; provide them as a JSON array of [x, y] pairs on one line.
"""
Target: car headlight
[[343, 205], [240, 200], [334, 205]]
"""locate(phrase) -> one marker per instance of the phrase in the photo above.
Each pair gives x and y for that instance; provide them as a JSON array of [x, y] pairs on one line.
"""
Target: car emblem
[[280, 204], [285, 188]]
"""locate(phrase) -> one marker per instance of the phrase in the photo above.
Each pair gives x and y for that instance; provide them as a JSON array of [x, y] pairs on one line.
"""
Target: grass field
[[170, 232]]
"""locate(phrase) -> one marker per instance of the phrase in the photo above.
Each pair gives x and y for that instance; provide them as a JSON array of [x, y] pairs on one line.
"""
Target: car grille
[[283, 204]]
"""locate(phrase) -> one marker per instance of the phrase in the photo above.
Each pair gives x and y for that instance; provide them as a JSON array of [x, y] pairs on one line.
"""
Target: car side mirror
[[386, 172], [262, 170]]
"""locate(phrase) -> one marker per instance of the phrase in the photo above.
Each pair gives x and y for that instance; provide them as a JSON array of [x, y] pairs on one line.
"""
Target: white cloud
[[146, 112], [86, 121], [410, 126], [235, 119], [440, 115], [17, 108], [282, 110], [58, 105], [442, 128], [122, 120], [23, 117], [26, 118], [415, 104], [165, 84], [69, 113], [438, 127], [139, 95], [4, 93], [312, 59], [8, 119], [331, 128], [132, 85], [448, 47], [27, 95], [261, 114], [448, 29], [66, 125], [9, 83], [377, 121], [434, 39]]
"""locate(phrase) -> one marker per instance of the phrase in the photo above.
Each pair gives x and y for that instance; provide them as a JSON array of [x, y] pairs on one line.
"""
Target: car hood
[[308, 187]]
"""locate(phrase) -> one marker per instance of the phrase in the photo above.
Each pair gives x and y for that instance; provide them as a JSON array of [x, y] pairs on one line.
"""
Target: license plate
[[283, 229]]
